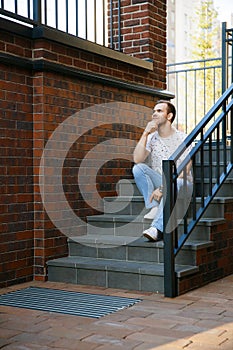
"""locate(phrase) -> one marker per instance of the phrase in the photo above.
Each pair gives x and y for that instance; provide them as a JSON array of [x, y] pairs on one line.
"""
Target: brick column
[[143, 31]]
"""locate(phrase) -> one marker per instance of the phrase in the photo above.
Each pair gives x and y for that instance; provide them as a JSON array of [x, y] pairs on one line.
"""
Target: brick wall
[[45, 79], [215, 262], [17, 218]]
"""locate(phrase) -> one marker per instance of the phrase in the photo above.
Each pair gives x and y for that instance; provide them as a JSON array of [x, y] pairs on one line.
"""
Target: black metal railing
[[210, 137], [213, 152], [189, 81], [96, 21], [198, 84], [227, 55]]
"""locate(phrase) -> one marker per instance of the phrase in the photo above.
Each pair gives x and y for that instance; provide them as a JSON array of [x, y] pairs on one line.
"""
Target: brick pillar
[[143, 29], [39, 213]]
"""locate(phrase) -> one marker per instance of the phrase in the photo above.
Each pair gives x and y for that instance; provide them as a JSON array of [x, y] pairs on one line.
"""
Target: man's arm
[[140, 152]]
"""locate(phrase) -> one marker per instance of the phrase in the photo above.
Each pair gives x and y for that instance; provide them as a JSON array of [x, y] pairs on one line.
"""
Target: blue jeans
[[147, 180]]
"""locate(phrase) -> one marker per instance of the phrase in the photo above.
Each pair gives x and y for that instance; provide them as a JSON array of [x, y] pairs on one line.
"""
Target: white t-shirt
[[163, 147]]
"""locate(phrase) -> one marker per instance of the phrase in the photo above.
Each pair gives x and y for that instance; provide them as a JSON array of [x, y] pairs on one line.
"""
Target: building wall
[[46, 78], [17, 219]]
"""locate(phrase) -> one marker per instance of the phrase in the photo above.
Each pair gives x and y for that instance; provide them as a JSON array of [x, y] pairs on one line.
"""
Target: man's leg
[[158, 221], [147, 180]]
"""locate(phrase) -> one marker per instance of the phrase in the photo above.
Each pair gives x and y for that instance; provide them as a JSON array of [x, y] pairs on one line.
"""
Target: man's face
[[160, 114]]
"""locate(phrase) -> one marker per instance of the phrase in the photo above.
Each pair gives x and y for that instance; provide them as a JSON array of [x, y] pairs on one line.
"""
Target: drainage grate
[[66, 302]]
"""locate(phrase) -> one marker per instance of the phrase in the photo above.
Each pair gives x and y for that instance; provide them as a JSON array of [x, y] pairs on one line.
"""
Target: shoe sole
[[151, 239]]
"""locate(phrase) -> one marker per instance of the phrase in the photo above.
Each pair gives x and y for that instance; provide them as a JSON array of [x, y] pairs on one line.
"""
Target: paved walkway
[[201, 319]]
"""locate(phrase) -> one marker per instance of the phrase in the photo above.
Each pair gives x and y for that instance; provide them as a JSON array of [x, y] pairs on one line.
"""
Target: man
[[159, 139]]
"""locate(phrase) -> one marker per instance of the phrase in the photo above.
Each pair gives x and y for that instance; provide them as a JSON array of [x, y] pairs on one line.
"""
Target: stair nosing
[[125, 218], [140, 267], [109, 241]]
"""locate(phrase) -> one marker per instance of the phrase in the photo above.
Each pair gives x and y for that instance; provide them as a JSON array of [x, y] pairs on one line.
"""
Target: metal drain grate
[[66, 302]]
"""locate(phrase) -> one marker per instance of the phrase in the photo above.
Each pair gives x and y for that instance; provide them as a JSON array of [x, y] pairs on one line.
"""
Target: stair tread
[[113, 241], [205, 180], [124, 198], [140, 198], [116, 265], [140, 218]]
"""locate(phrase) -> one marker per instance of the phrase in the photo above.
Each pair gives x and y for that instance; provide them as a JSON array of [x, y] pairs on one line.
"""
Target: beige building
[[180, 24]]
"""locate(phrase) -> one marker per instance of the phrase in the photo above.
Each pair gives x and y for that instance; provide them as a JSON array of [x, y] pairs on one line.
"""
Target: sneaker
[[152, 213], [152, 234]]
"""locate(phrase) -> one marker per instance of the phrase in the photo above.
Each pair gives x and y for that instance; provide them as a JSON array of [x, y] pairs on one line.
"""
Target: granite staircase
[[114, 254]]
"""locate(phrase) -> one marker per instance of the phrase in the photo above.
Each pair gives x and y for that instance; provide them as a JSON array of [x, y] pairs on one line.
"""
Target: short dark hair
[[170, 108]]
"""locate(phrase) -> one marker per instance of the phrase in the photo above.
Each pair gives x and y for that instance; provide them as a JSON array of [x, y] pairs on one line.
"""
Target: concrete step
[[216, 208], [226, 190], [203, 229], [131, 275], [127, 187], [134, 225], [208, 168], [131, 249], [117, 225], [126, 205], [214, 154]]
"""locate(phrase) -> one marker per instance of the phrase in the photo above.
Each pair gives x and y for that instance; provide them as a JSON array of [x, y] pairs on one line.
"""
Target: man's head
[[170, 109]]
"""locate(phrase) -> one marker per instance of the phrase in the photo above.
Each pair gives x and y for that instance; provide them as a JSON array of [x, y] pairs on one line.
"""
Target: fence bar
[[119, 25], [218, 153], [211, 165], [86, 24], [111, 24], [29, 9], [231, 130], [103, 7], [186, 102], [224, 58], [67, 16], [37, 11], [45, 12], [56, 14], [95, 22], [76, 7]]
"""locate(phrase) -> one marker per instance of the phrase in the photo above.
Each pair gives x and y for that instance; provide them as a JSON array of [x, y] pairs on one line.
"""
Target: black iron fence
[[93, 20], [214, 154], [213, 151], [198, 84]]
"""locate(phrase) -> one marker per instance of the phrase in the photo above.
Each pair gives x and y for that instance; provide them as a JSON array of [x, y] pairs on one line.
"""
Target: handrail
[[213, 141]]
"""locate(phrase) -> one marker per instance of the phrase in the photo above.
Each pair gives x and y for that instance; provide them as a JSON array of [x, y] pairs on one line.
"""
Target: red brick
[[55, 97]]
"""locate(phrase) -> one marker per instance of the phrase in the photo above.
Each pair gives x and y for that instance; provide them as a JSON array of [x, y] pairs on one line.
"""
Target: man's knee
[[137, 169]]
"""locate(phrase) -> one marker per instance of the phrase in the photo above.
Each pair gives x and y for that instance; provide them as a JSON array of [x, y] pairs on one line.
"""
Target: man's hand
[[156, 195], [151, 127]]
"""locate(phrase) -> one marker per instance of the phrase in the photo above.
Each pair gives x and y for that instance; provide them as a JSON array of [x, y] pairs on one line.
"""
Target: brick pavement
[[201, 319]]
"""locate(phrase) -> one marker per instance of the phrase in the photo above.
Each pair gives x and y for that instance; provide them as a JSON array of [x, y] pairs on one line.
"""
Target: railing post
[[119, 25], [37, 11], [170, 283], [231, 133], [224, 58]]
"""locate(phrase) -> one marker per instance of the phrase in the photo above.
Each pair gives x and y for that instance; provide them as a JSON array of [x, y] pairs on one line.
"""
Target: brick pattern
[[34, 104], [17, 218], [200, 319], [214, 262], [143, 33]]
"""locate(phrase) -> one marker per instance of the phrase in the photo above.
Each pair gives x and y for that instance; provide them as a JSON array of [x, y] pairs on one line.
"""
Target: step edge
[[149, 268], [110, 241]]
